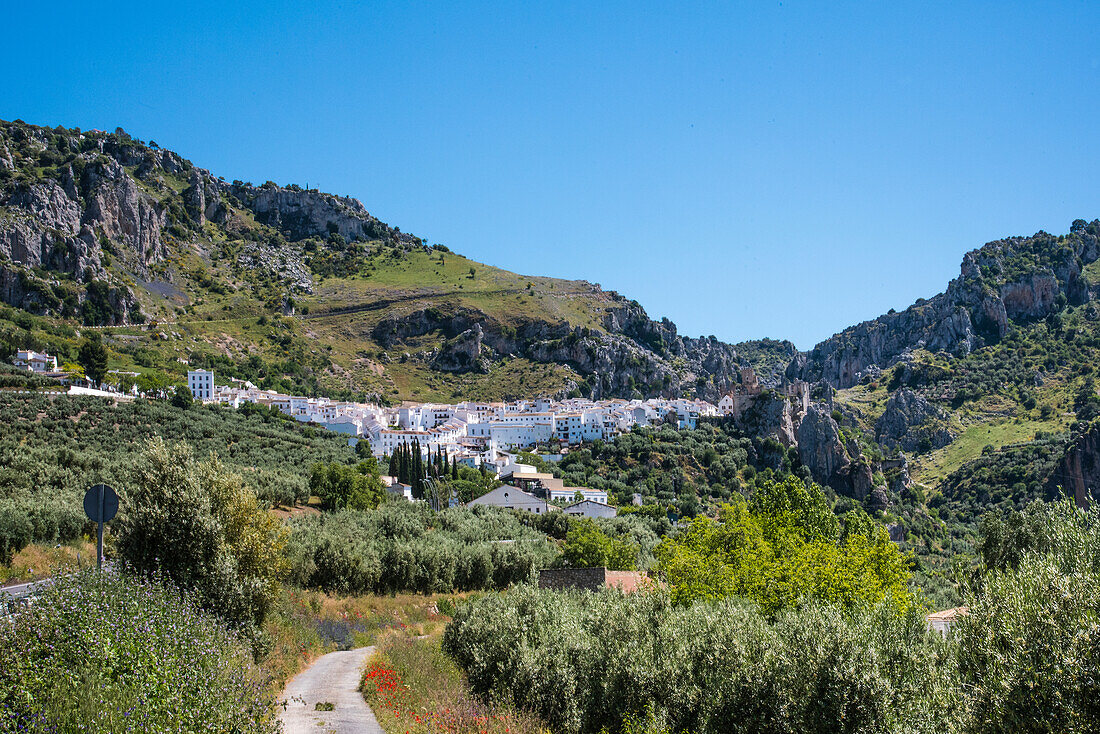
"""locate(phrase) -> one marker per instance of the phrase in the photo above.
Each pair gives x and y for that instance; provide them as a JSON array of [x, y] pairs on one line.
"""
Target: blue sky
[[746, 169]]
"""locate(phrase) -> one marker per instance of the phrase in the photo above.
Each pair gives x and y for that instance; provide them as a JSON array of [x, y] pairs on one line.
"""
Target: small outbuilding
[[591, 508]]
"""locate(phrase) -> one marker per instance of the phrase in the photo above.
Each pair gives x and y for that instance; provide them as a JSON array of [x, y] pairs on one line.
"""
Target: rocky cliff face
[[1078, 473], [1016, 279], [75, 202], [712, 366], [912, 423], [611, 364], [299, 213]]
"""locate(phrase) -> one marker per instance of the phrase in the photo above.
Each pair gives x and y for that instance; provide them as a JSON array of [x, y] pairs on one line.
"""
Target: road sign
[[100, 505]]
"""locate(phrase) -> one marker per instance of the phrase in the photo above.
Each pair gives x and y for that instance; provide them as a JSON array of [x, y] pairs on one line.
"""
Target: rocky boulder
[[462, 353], [819, 446], [912, 423]]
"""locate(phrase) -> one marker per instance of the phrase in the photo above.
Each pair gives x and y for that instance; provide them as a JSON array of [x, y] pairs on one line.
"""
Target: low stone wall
[[560, 579], [592, 579]]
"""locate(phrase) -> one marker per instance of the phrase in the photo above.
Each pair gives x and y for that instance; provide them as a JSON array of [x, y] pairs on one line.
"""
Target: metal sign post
[[100, 505]]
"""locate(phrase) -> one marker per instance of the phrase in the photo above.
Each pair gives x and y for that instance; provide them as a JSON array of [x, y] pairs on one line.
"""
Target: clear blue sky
[[746, 169]]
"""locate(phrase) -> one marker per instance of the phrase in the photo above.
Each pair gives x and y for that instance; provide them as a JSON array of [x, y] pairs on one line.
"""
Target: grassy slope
[[202, 305]]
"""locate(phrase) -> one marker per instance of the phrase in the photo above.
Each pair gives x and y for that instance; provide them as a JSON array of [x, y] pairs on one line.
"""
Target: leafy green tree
[[182, 398], [93, 358], [342, 487], [201, 526], [16, 531], [783, 550], [586, 546], [1029, 651]]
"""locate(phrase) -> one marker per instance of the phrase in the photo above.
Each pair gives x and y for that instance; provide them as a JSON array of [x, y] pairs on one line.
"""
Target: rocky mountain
[[1014, 280], [102, 229]]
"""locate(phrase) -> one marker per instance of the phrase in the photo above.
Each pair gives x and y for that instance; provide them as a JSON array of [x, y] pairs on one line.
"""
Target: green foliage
[[586, 546], [342, 487], [403, 546], [93, 358], [182, 398], [686, 470], [16, 532], [784, 550], [105, 652], [53, 448], [1000, 480], [203, 528], [584, 661], [1057, 528], [1030, 650]]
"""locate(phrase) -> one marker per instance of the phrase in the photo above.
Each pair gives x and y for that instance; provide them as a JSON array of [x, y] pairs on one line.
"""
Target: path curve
[[332, 678]]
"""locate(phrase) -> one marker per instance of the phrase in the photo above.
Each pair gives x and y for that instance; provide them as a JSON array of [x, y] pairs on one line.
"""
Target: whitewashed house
[[201, 384], [39, 362], [569, 494], [512, 498]]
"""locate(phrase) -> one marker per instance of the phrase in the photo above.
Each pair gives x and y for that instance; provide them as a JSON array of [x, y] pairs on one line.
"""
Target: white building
[[569, 494], [35, 361], [590, 508], [512, 498], [201, 384]]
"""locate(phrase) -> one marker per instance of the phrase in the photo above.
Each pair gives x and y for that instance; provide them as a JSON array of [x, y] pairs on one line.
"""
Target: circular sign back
[[100, 503]]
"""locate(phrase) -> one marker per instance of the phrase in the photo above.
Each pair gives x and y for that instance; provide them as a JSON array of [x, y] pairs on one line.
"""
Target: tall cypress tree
[[454, 468], [417, 470]]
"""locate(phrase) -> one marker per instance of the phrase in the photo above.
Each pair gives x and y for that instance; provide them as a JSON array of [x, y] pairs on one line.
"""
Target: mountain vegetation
[[941, 454], [101, 229], [1024, 659]]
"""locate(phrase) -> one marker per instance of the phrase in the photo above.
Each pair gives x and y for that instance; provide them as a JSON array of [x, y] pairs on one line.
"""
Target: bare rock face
[[301, 214], [203, 199], [714, 361], [1019, 278], [905, 411], [771, 414], [1078, 473], [122, 212], [462, 353], [819, 446]]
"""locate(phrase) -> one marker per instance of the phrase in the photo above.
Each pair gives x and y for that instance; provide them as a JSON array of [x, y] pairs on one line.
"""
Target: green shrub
[[199, 525], [403, 546], [16, 532], [586, 546], [1029, 652], [584, 661], [104, 652]]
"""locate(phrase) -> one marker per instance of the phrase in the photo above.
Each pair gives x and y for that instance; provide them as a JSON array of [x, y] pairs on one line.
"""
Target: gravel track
[[332, 678]]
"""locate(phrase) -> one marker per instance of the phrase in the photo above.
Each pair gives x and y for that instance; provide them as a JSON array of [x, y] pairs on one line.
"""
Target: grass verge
[[414, 688]]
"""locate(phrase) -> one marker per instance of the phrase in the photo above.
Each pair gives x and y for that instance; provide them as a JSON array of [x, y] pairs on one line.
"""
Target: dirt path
[[333, 678]]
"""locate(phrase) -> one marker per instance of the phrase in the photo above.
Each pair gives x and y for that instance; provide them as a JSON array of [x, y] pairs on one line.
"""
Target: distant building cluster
[[471, 432]]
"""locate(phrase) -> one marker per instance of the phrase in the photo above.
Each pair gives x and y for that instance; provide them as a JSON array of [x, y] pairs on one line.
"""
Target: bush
[[1029, 653], [199, 525], [343, 487], [586, 546], [584, 661], [16, 532], [409, 547], [104, 652]]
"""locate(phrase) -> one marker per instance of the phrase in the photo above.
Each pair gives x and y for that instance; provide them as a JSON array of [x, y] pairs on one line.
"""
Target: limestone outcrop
[[912, 423], [1015, 279]]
